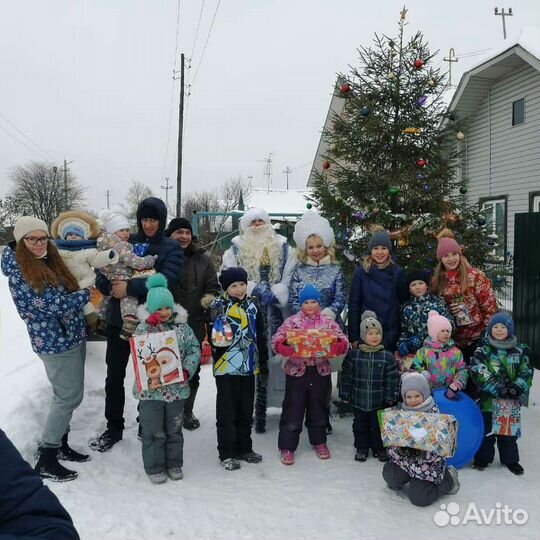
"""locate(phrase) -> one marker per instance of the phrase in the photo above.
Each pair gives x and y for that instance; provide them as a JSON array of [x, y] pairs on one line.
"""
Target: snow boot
[[380, 455], [157, 478], [479, 465], [322, 451], [175, 473], [452, 471], [230, 464], [48, 467], [515, 468], [106, 440], [361, 455], [68, 454], [287, 457], [250, 457], [191, 422]]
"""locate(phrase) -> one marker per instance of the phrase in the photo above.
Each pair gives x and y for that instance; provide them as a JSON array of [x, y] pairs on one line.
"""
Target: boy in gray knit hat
[[369, 380]]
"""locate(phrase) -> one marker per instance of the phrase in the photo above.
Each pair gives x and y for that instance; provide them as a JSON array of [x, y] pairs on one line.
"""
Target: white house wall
[[502, 159]]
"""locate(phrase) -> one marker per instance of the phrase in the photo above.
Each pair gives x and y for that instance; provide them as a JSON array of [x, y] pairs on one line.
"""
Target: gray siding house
[[500, 155]]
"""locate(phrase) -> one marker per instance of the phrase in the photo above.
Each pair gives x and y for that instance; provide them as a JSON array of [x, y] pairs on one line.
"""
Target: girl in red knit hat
[[466, 290]]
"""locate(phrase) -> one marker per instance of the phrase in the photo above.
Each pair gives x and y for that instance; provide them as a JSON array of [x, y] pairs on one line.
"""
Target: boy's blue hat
[[501, 318], [74, 229], [310, 292], [158, 295]]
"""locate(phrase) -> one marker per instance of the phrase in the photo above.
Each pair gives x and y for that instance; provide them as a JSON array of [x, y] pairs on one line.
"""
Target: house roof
[[475, 83], [337, 104], [274, 201]]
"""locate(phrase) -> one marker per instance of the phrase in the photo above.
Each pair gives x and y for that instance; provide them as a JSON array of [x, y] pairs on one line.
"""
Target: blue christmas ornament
[[364, 111], [421, 100], [426, 187], [420, 176]]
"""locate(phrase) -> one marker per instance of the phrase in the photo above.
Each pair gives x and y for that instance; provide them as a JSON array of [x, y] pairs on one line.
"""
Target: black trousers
[[116, 358], [508, 448], [234, 411], [307, 395], [470, 388], [366, 430], [421, 492]]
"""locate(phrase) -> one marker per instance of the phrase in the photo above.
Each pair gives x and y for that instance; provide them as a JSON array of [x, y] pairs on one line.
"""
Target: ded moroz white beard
[[256, 239]]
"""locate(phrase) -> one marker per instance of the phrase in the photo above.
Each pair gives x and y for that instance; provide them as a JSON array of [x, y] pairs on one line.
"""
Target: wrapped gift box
[[311, 342], [432, 432], [156, 360]]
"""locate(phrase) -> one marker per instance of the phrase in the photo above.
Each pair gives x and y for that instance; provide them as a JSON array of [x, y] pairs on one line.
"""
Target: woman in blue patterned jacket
[[48, 300], [314, 241]]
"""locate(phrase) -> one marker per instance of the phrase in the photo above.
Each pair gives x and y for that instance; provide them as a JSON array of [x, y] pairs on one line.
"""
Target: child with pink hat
[[441, 358]]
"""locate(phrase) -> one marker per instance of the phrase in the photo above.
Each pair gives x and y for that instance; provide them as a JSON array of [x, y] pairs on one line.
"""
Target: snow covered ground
[[337, 499]]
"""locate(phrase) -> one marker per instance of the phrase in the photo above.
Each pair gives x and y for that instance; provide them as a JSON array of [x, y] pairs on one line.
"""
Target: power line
[[33, 150], [197, 31], [206, 43], [44, 152]]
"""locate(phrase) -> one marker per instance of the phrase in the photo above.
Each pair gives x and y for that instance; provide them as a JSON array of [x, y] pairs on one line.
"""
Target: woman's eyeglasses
[[34, 240]]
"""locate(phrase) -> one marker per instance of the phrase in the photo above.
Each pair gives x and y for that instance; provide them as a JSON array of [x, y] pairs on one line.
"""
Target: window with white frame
[[494, 210], [534, 201], [518, 112]]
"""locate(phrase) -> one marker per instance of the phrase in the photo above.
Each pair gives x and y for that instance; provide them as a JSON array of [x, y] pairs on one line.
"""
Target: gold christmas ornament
[[412, 130], [460, 135]]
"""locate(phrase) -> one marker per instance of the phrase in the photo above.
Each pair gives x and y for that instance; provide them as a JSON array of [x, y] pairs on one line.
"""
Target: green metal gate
[[526, 305]]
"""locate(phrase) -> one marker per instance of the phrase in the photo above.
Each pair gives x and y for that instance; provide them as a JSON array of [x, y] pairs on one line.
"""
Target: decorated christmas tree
[[394, 157]]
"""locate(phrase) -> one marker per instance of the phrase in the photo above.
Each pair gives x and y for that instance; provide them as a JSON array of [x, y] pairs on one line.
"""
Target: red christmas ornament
[[345, 88], [421, 162], [326, 164], [418, 63]]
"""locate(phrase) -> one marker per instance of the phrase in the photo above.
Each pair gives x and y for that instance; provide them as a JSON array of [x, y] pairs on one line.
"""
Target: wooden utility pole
[[451, 58], [504, 15], [180, 130]]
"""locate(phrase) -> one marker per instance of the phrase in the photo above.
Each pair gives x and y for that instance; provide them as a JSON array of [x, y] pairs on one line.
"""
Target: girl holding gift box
[[441, 358], [161, 406], [500, 369], [467, 292], [426, 472], [369, 379], [307, 378]]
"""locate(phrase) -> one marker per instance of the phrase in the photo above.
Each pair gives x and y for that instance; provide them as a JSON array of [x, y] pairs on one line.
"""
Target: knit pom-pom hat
[[447, 244], [369, 321], [158, 295], [436, 323]]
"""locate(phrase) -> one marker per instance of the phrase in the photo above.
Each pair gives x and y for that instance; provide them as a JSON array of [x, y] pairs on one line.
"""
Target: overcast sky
[[90, 81]]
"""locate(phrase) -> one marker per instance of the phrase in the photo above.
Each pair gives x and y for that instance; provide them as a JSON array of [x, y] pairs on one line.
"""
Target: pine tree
[[394, 157]]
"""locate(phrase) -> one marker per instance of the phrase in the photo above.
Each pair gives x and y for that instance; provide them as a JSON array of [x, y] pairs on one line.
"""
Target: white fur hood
[[181, 315]]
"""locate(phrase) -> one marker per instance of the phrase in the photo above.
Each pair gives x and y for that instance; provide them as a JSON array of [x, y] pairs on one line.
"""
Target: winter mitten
[[415, 343], [329, 313], [388, 404], [207, 300], [452, 390], [154, 319], [338, 348], [403, 348], [284, 350], [186, 375]]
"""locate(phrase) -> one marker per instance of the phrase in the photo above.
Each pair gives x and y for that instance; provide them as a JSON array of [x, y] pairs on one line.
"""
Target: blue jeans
[[65, 372]]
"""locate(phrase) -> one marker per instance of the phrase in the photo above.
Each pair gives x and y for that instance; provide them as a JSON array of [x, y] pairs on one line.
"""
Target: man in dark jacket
[[196, 289], [28, 509], [149, 240]]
